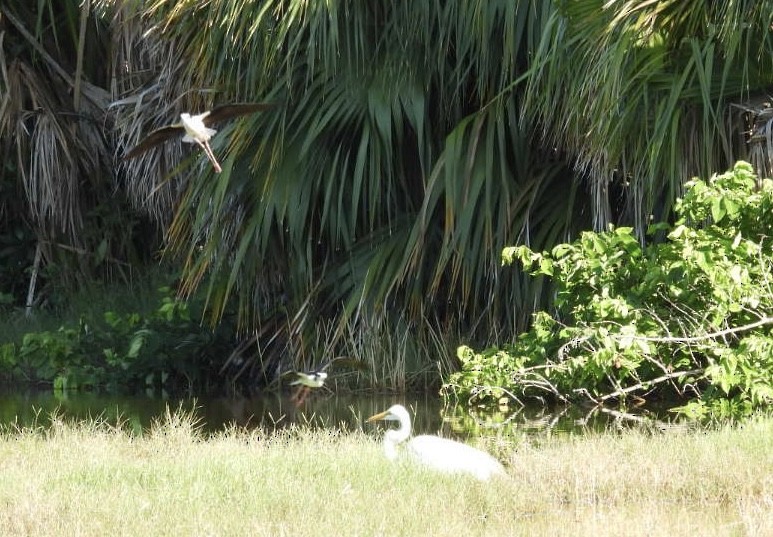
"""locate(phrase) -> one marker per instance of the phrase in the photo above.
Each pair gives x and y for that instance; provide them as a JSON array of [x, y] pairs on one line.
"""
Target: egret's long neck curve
[[397, 436]]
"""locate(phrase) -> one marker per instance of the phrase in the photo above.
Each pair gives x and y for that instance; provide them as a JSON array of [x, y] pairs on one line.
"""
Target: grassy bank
[[94, 479]]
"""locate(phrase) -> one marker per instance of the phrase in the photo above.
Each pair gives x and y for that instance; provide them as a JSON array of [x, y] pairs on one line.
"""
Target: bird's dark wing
[[227, 111], [345, 361], [156, 137]]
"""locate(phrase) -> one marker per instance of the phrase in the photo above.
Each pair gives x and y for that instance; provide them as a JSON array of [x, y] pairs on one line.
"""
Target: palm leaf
[[650, 84], [389, 182]]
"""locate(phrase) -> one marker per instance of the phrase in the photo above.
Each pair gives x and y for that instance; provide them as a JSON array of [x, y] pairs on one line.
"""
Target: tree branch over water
[[695, 339]]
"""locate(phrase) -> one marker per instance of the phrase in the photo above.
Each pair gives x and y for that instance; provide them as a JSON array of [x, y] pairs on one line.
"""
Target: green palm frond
[[389, 179], [637, 92], [410, 143]]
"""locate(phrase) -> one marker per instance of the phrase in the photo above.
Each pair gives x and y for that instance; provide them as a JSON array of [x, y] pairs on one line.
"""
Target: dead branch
[[647, 384], [694, 339]]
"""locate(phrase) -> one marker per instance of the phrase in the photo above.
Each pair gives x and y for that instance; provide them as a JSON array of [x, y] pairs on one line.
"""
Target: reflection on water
[[348, 412]]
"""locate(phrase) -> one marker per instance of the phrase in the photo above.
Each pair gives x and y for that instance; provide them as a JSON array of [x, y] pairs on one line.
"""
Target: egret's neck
[[396, 436], [390, 445]]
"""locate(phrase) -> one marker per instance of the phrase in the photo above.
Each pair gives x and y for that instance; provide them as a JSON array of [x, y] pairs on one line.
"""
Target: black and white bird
[[197, 129], [314, 379]]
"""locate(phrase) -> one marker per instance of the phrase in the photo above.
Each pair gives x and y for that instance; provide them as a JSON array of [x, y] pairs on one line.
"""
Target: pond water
[[28, 408]]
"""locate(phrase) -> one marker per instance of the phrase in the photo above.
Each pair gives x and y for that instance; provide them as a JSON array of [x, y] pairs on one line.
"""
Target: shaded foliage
[[643, 95], [389, 178], [56, 71], [164, 350], [411, 142]]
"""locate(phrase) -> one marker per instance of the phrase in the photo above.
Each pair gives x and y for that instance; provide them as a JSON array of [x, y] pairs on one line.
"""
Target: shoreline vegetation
[[94, 478]]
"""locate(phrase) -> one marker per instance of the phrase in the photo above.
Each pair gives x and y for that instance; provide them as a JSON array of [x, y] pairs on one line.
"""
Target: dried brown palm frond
[[60, 152], [151, 85], [54, 121]]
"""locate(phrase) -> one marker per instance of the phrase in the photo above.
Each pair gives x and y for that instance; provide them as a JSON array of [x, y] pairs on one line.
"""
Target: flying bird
[[440, 454], [314, 379], [196, 129], [311, 380]]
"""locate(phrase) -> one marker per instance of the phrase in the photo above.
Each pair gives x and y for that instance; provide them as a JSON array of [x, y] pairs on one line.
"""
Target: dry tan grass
[[92, 479]]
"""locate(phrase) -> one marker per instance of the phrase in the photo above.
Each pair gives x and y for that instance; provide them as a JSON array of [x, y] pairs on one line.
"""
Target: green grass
[[95, 479]]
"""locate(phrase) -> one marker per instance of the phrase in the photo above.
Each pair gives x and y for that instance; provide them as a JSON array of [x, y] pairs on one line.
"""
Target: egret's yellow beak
[[376, 417]]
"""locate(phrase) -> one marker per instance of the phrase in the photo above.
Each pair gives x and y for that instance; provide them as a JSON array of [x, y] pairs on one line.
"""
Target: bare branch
[[492, 388], [694, 339], [648, 384]]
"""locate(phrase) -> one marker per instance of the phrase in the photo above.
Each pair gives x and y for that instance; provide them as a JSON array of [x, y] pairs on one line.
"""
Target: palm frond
[[53, 119], [389, 181], [637, 93]]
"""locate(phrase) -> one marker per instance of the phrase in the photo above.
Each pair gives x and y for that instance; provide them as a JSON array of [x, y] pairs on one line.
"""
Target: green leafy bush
[[686, 320], [161, 350]]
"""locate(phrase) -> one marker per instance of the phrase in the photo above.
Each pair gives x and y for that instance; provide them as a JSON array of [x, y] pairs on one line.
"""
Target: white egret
[[437, 453], [196, 129]]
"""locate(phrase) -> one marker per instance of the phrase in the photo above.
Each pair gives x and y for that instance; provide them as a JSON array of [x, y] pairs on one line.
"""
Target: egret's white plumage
[[437, 453]]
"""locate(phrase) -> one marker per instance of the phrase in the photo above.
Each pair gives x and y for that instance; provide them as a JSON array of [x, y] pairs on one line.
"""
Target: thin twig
[[492, 388], [763, 321], [646, 420], [648, 384], [33, 280]]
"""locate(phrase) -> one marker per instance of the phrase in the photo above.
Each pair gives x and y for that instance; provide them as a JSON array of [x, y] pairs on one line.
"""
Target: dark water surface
[[30, 408], [34, 408]]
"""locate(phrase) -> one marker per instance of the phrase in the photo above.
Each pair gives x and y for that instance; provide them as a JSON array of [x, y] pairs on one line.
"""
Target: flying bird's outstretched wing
[[338, 361], [227, 111], [158, 136]]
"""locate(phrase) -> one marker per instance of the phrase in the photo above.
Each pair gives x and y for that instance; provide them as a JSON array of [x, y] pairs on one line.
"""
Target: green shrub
[[686, 320], [163, 349]]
